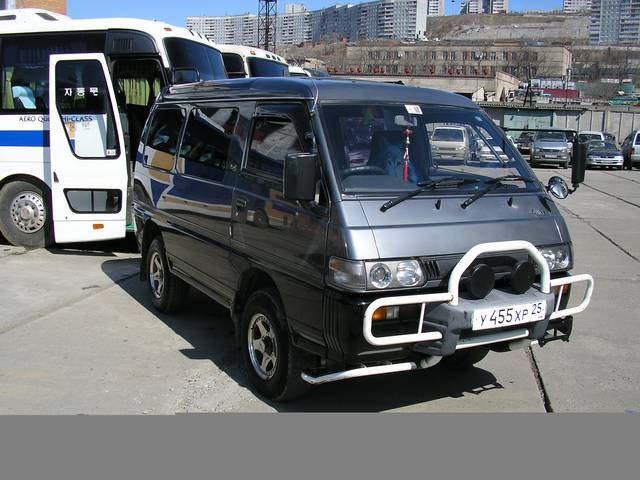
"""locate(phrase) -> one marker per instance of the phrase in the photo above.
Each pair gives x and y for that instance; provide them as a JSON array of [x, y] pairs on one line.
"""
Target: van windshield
[[448, 135], [392, 148]]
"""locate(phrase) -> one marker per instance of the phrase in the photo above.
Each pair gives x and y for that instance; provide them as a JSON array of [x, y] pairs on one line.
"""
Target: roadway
[[79, 336]]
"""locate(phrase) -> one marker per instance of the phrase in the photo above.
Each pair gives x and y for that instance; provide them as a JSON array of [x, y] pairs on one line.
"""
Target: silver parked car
[[604, 154], [550, 147]]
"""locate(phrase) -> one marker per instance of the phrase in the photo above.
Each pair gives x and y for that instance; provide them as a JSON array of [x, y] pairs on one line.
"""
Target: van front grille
[[432, 270]]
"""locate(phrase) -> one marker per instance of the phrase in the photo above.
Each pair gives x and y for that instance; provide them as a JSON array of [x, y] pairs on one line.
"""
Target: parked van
[[450, 142], [333, 268], [631, 150]]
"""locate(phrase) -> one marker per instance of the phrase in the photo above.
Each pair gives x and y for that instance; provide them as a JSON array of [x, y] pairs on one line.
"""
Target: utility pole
[[267, 16]]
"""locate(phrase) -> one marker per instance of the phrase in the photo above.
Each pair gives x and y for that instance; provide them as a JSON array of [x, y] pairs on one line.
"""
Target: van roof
[[326, 89]]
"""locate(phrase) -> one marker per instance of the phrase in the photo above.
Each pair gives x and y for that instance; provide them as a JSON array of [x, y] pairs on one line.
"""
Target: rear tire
[[467, 358], [272, 363], [25, 215], [168, 292]]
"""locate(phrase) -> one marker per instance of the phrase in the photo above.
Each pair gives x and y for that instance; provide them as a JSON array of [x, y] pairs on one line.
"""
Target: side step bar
[[369, 371], [517, 342]]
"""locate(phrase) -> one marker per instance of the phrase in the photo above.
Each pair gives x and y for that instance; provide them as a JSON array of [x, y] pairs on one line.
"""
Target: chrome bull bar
[[516, 338], [452, 295]]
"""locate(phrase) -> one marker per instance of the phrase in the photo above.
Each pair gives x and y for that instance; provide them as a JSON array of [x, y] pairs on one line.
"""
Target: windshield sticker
[[414, 109]]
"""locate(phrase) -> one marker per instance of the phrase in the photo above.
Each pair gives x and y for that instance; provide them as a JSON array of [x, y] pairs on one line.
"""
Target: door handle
[[240, 205]]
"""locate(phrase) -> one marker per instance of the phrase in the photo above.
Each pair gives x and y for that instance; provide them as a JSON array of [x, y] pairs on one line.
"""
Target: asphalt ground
[[79, 336]]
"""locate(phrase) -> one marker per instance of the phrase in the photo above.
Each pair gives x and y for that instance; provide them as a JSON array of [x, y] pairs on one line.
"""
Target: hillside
[[549, 27]]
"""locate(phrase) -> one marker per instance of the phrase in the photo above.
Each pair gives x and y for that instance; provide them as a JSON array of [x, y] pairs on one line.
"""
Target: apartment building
[[615, 22], [454, 59], [380, 19], [58, 6], [472, 7], [575, 6]]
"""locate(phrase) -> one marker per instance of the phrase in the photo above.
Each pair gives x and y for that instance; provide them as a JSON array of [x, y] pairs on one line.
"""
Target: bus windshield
[[259, 67], [187, 54]]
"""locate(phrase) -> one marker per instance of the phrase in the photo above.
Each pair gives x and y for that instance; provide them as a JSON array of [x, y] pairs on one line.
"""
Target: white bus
[[74, 98], [244, 62]]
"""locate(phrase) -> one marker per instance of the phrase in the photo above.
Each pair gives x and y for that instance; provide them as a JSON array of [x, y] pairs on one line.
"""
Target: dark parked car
[[524, 142], [335, 265]]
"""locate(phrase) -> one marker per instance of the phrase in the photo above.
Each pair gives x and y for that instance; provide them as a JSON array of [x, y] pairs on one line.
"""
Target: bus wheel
[[25, 216]]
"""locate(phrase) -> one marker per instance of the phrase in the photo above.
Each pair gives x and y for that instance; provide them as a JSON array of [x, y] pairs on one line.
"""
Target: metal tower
[[267, 15]]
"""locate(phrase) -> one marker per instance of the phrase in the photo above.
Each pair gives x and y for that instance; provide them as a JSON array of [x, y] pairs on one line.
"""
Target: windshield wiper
[[446, 182], [493, 184]]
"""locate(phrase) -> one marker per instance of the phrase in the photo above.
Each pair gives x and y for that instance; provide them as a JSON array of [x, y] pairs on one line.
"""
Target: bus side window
[[82, 100], [24, 66]]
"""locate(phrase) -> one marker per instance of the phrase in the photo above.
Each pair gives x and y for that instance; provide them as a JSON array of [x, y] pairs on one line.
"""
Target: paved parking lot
[[78, 336]]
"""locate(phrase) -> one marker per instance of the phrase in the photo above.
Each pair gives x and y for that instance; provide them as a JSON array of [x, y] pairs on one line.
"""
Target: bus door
[[88, 175]]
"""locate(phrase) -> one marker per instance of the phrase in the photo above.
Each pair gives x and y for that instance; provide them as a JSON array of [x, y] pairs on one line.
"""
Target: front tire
[[272, 363], [168, 292], [25, 215]]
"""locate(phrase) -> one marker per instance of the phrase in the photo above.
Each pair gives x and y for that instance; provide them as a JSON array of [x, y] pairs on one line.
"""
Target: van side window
[[206, 142], [279, 131], [162, 141]]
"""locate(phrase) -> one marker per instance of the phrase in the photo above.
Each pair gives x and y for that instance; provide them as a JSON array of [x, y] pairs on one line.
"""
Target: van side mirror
[[558, 187], [300, 176], [578, 164], [184, 75]]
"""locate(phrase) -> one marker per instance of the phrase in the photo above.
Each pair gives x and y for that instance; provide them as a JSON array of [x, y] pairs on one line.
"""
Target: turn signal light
[[386, 313], [564, 289], [98, 226]]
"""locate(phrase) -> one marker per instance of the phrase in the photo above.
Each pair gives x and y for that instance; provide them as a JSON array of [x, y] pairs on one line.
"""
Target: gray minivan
[[315, 212]]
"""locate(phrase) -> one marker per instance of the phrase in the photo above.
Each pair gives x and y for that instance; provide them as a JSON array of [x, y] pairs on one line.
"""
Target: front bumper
[[604, 162], [447, 326], [550, 158]]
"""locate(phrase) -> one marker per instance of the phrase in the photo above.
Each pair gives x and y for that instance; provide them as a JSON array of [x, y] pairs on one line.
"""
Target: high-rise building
[[435, 8], [471, 7], [380, 19], [58, 6], [615, 22], [575, 6]]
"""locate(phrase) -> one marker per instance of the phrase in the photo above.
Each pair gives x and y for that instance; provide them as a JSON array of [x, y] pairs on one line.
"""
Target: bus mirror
[[579, 163], [300, 176], [184, 75]]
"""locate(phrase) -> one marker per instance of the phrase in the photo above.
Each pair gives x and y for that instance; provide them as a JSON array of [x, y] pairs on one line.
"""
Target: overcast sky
[[176, 12]]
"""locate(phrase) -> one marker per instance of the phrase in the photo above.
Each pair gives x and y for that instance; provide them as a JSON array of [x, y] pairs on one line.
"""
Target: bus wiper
[[446, 182], [493, 184]]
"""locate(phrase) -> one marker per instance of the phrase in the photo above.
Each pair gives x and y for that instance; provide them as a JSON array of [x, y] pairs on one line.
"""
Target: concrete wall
[[615, 120], [501, 84]]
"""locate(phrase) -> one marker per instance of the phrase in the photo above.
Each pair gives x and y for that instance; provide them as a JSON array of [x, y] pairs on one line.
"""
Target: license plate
[[550, 155], [487, 318]]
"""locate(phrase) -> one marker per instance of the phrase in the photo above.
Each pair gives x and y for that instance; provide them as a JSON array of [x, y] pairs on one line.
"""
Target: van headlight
[[371, 276], [558, 257]]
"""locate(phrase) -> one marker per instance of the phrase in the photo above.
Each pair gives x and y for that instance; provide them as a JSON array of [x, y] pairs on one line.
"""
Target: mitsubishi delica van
[[314, 210]]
